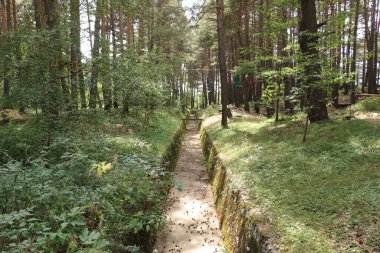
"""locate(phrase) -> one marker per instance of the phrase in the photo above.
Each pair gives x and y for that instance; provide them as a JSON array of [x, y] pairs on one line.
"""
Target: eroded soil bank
[[192, 219]]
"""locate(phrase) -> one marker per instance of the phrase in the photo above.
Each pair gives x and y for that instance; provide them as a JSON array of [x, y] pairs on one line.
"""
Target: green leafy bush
[[90, 190], [21, 141], [68, 205]]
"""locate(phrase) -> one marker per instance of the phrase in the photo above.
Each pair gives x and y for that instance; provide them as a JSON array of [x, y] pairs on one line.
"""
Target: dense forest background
[[150, 52], [93, 86]]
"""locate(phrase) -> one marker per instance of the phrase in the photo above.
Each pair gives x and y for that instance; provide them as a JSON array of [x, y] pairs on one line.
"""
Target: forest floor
[[192, 223], [319, 196]]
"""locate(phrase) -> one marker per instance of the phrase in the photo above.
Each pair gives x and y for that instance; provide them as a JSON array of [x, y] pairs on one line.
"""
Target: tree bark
[[315, 94], [52, 87], [5, 40], [337, 56], [370, 38], [289, 106], [105, 57], [222, 59], [94, 93], [75, 46], [245, 44], [348, 50], [354, 53], [204, 82], [52, 21]]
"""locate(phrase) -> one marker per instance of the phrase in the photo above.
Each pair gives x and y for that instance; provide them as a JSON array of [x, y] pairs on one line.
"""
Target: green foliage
[[275, 87], [94, 189], [21, 141], [210, 111]]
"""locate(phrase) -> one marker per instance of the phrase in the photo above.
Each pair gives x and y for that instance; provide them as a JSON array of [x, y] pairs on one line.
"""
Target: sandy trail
[[193, 225]]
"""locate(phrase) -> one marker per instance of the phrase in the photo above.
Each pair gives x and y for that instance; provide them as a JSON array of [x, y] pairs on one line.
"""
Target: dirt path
[[193, 225]]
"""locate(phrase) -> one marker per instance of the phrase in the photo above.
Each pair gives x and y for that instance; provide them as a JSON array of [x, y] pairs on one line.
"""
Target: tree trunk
[[129, 32], [289, 106], [95, 58], [370, 38], [204, 82], [105, 57], [114, 92], [309, 47], [5, 40], [337, 58], [116, 89], [129, 46], [52, 87], [75, 45], [354, 53], [364, 75], [82, 86], [54, 52], [245, 41], [210, 78], [222, 59]]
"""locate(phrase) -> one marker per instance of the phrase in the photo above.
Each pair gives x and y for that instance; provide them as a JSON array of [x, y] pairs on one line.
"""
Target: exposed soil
[[192, 225]]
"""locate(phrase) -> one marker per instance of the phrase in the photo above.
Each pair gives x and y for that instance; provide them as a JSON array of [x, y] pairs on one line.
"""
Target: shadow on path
[[192, 223]]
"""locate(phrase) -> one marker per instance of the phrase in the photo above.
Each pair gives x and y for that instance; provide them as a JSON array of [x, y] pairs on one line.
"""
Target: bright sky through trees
[[188, 4]]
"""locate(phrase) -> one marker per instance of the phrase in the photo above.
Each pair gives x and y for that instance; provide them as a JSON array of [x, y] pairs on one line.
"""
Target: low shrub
[[91, 190]]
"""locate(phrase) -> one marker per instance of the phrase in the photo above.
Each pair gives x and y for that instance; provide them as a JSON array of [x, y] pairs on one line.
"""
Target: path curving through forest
[[192, 223]]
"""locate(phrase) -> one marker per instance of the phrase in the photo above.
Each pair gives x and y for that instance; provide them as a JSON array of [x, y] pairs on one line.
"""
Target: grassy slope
[[323, 195]]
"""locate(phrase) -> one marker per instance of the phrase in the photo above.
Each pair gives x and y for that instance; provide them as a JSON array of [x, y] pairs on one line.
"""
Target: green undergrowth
[[322, 195], [371, 104], [97, 188], [211, 110]]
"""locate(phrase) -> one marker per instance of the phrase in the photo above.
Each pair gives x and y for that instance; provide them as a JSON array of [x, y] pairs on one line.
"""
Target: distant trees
[[6, 8], [134, 46], [321, 57], [42, 66]]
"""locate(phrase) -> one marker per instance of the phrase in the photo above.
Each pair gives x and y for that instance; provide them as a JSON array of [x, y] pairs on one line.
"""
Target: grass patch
[[211, 110], [98, 188], [165, 124], [371, 104], [323, 195]]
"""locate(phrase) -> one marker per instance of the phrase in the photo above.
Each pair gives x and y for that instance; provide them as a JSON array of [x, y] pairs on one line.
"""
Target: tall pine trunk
[[245, 42], [53, 54], [95, 58], [354, 53], [371, 40], [315, 94], [5, 41], [75, 46], [105, 56], [222, 59]]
